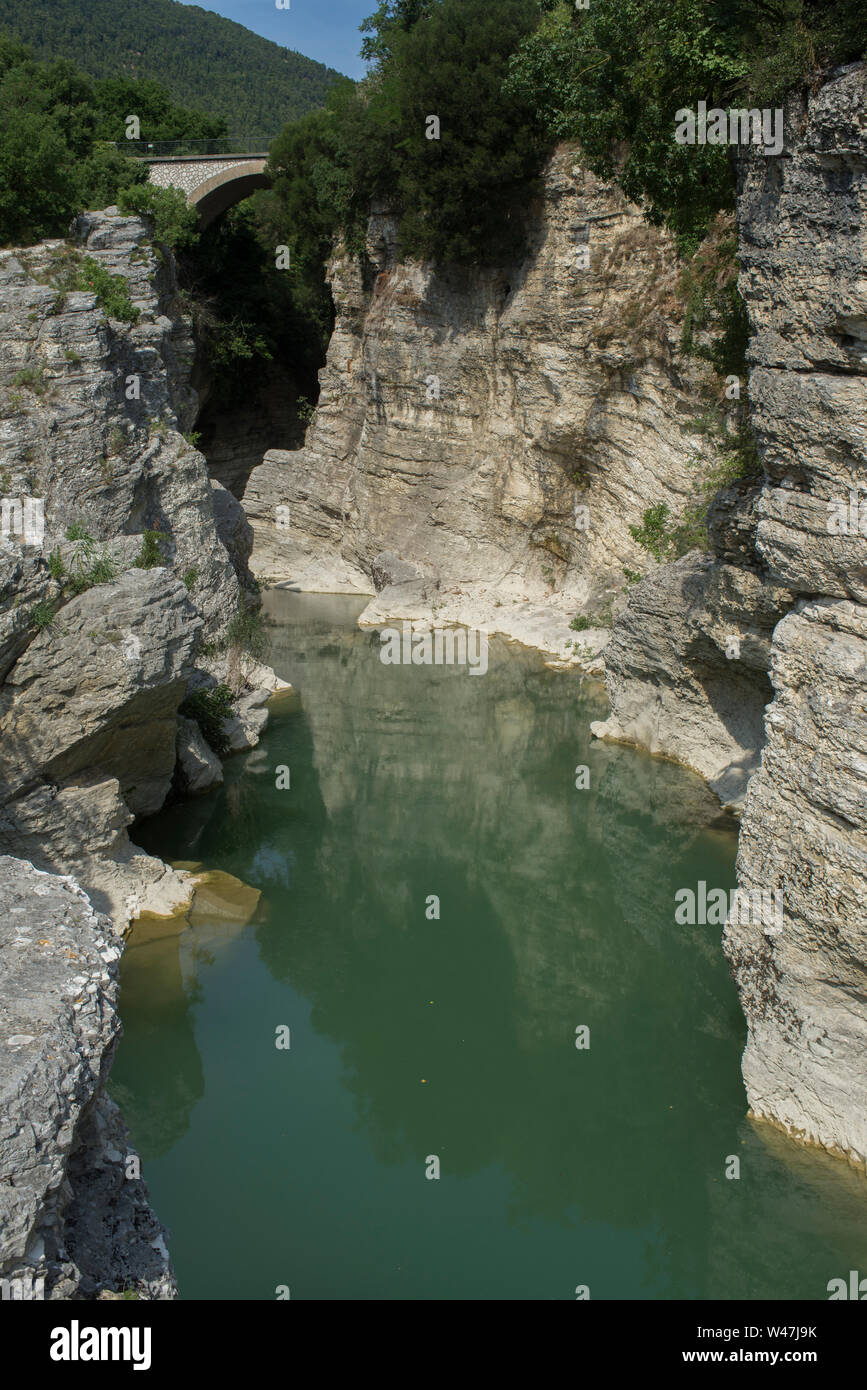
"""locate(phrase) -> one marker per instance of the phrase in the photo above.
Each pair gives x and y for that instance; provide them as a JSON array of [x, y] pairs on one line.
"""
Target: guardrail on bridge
[[192, 149]]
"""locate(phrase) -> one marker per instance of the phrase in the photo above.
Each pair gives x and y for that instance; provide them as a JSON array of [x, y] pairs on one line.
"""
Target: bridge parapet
[[191, 149]]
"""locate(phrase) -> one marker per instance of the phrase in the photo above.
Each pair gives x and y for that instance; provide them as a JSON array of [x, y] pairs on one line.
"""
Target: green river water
[[412, 1037]]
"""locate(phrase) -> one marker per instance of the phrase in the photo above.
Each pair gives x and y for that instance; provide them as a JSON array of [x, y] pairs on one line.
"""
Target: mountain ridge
[[205, 61]]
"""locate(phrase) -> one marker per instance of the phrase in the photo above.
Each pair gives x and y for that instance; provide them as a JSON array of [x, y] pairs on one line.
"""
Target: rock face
[[788, 585], [74, 1217], [73, 431], [805, 283], [483, 440], [804, 828], [91, 414], [101, 626], [687, 666], [803, 835]]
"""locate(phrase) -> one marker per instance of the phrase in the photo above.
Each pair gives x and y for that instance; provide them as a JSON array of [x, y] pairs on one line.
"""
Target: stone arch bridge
[[213, 177]]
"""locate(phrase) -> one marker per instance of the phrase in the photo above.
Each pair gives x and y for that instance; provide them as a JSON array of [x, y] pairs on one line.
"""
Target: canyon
[[561, 397]]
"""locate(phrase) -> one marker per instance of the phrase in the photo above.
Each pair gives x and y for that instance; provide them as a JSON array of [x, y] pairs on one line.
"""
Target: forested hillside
[[204, 61]]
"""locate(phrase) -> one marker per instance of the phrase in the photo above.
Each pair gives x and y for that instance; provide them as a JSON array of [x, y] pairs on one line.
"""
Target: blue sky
[[323, 29]]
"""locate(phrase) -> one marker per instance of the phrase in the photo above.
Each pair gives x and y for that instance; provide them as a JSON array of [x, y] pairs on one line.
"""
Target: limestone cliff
[[93, 411], [102, 621], [777, 618], [74, 1213], [484, 439], [803, 236]]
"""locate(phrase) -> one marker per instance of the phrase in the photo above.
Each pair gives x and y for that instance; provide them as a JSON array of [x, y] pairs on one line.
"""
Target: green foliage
[[715, 325], [42, 616], [392, 18], [202, 60], [87, 567], [614, 75], [103, 571], [209, 708], [248, 313], [82, 548], [653, 535], [602, 618], [33, 378], [151, 554], [737, 459], [667, 541], [159, 116], [175, 224], [55, 129], [191, 577], [247, 633], [112, 291], [457, 196]]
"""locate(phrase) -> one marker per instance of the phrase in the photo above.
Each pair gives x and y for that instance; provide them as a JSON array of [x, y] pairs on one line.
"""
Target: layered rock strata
[[484, 439], [92, 411], [751, 666], [803, 233], [102, 622], [75, 1220]]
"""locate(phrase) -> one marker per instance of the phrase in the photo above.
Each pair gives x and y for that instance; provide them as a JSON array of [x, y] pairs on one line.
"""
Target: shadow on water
[[415, 1035]]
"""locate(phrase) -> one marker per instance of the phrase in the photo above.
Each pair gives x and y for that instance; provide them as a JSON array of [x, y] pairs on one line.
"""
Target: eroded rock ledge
[[73, 1224]]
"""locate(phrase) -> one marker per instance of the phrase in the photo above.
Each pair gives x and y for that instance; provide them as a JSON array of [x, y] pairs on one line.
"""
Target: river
[[444, 915]]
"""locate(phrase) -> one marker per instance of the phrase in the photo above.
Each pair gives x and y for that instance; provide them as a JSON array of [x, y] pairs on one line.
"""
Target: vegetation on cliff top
[[55, 129], [506, 78]]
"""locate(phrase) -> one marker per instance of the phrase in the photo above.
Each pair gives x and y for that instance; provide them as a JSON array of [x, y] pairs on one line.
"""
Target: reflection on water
[[456, 1036]]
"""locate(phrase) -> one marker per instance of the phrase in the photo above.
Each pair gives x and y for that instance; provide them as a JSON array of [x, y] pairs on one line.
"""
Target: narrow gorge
[[485, 450]]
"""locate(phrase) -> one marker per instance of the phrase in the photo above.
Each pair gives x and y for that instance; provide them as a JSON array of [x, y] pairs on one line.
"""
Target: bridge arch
[[212, 183]]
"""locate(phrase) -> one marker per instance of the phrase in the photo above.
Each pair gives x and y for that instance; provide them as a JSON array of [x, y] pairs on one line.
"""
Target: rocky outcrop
[[751, 665], [804, 836], [102, 621], [93, 409], [804, 831], [199, 767], [75, 1220], [687, 666], [143, 558], [484, 439]]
